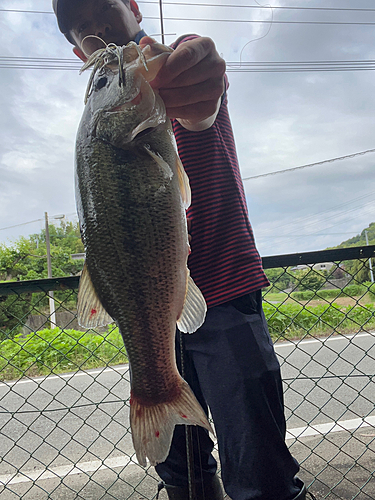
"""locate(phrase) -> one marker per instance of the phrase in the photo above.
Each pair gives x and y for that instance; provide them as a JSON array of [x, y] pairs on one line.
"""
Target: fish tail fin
[[153, 426]]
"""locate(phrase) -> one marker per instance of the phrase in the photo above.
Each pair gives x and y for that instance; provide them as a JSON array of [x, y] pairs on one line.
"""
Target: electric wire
[[278, 7], [301, 235], [302, 220], [255, 21], [309, 165], [261, 21], [194, 4], [49, 63], [35, 220]]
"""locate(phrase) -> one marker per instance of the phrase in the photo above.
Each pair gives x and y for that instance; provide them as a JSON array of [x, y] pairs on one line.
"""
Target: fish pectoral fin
[[165, 168], [194, 310], [90, 312], [183, 181], [152, 426]]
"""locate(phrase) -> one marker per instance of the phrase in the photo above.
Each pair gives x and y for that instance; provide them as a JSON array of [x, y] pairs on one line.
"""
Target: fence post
[[52, 314]]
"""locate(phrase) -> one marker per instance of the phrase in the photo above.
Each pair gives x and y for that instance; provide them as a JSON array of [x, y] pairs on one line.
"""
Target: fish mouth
[[126, 105], [146, 131]]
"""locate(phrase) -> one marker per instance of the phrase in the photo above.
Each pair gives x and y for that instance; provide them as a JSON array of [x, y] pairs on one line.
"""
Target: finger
[[209, 67], [187, 55], [210, 90], [146, 40], [195, 113]]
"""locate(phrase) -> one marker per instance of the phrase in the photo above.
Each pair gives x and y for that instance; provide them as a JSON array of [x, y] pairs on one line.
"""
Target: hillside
[[360, 239]]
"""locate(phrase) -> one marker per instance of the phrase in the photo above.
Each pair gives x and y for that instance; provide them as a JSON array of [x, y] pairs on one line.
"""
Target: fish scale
[[132, 193]]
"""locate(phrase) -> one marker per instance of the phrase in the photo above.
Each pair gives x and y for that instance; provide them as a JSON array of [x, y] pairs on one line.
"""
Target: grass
[[292, 320], [58, 351]]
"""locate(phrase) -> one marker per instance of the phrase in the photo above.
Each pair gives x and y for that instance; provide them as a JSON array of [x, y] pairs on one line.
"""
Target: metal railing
[[64, 424]]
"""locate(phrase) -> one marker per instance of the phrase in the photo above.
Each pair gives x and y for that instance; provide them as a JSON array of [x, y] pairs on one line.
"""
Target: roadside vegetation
[[305, 309], [58, 351], [61, 350]]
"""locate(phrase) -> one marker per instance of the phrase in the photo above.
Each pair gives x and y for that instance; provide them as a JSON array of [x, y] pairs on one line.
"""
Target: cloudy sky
[[282, 119]]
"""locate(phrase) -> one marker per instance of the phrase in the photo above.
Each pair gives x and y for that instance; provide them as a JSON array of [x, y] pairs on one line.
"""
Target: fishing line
[[161, 21], [188, 435], [260, 38]]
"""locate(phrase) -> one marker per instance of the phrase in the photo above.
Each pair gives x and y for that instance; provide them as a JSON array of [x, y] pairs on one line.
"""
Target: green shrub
[[14, 311], [329, 294], [370, 289], [296, 320], [354, 290], [308, 295], [59, 350]]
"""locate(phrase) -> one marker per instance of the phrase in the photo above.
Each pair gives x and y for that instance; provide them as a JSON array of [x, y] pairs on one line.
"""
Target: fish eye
[[102, 82]]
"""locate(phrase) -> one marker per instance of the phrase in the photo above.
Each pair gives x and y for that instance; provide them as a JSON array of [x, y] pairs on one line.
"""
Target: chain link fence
[[64, 392]]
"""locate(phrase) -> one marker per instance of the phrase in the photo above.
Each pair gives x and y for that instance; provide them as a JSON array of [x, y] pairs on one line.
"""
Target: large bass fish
[[132, 193]]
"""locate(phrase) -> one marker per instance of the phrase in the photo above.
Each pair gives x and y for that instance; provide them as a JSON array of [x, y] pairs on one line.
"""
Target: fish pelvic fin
[[194, 310], [152, 426], [90, 312]]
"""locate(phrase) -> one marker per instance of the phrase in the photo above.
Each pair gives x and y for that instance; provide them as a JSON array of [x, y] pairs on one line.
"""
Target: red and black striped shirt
[[224, 261]]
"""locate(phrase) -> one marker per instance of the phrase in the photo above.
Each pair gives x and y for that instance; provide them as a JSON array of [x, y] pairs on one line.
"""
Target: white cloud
[[280, 120]]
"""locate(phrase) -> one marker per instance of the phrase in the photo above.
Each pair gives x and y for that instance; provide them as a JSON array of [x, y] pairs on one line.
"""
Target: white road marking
[[126, 366], [65, 470], [326, 428], [124, 460], [64, 376], [323, 340]]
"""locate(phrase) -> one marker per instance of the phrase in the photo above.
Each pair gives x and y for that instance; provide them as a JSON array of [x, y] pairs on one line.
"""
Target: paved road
[[68, 434]]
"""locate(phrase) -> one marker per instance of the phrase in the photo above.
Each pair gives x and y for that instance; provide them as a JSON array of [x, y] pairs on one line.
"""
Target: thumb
[[146, 40]]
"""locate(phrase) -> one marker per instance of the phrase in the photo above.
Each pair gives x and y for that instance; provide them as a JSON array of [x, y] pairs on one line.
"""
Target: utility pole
[[52, 314], [369, 261]]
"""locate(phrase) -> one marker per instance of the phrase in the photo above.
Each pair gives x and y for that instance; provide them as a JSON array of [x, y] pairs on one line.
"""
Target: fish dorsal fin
[[194, 310], [90, 312]]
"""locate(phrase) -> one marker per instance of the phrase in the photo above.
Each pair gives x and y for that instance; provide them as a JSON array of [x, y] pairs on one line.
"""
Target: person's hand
[[191, 81]]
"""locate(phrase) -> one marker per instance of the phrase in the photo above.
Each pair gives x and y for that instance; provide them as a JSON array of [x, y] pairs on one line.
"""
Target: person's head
[[115, 21]]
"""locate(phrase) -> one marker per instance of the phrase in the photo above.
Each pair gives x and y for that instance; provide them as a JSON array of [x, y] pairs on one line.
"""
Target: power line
[[192, 4], [290, 226], [276, 7], [297, 66], [331, 160], [345, 23], [22, 224], [256, 21], [12, 62], [35, 220]]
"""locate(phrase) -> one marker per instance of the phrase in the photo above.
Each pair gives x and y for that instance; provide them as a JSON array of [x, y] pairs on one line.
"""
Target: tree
[[310, 279], [279, 278], [26, 258]]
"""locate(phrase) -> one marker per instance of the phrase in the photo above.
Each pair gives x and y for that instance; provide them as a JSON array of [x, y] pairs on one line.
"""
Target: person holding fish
[[229, 362]]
